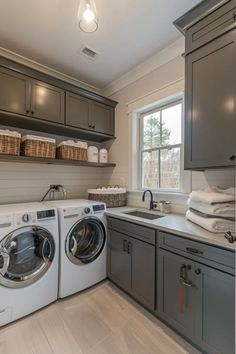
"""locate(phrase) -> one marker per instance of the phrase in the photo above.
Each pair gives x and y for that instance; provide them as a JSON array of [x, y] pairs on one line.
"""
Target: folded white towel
[[211, 224], [218, 209], [213, 195]]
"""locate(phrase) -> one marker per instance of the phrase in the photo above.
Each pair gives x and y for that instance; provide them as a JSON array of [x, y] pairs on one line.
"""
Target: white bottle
[[103, 155], [92, 154]]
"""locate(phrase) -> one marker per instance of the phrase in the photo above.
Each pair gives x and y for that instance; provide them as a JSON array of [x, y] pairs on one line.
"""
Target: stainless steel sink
[[142, 214]]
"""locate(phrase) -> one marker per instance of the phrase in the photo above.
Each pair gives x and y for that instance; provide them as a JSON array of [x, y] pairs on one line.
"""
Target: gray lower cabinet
[[215, 310], [198, 301], [210, 121], [14, 92], [86, 114], [131, 265], [119, 262], [175, 302], [47, 102]]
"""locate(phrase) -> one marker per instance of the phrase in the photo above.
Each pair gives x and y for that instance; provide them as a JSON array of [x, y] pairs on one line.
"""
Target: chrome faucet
[[52, 189], [152, 204]]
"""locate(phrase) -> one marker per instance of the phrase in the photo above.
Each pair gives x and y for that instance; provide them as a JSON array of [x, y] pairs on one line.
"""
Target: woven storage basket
[[72, 151], [9, 142], [37, 146], [113, 197]]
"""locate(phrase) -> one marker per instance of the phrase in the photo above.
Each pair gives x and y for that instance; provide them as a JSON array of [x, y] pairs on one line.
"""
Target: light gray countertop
[[176, 224]]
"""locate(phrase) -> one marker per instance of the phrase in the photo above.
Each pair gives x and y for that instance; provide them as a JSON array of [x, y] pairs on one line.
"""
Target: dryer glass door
[[25, 255], [85, 240]]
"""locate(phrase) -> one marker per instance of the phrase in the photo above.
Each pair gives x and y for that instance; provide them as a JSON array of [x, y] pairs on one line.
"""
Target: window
[[161, 147]]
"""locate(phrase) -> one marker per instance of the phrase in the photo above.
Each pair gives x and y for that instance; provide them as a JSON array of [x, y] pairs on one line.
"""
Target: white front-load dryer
[[83, 244], [28, 259]]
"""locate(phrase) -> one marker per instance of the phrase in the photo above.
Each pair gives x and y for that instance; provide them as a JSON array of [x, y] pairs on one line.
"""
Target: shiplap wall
[[29, 182]]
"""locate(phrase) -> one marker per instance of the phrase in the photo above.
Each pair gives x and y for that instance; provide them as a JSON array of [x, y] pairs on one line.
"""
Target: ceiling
[[129, 32]]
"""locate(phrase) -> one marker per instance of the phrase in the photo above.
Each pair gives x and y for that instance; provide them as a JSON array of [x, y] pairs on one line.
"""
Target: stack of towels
[[213, 209]]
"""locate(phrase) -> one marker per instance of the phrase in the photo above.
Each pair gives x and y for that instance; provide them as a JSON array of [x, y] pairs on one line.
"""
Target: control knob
[[26, 217], [87, 210]]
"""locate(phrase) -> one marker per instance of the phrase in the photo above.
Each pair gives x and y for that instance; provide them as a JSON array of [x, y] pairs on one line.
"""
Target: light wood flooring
[[100, 320]]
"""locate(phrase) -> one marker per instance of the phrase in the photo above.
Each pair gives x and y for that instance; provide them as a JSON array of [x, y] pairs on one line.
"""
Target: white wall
[[29, 182], [163, 76]]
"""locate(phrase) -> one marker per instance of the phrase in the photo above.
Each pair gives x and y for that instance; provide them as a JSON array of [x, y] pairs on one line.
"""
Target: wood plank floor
[[100, 320]]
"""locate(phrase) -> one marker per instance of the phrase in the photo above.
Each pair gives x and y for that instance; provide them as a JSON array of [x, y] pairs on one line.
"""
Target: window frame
[[141, 115]]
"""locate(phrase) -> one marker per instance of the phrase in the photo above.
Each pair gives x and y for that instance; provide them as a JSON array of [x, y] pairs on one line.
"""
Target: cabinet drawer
[[140, 232], [218, 22], [197, 250]]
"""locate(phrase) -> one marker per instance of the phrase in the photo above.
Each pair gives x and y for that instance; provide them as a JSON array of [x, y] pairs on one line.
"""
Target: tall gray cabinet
[[210, 84]]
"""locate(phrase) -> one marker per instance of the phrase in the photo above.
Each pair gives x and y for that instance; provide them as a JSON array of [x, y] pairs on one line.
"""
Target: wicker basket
[[37, 146], [113, 197], [9, 143], [72, 151]]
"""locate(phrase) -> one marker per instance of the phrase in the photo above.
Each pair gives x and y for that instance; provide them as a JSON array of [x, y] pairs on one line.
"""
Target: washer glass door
[[25, 255], [85, 241]]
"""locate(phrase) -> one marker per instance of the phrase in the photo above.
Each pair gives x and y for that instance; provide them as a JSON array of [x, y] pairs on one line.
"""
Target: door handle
[[233, 157], [129, 249], [193, 250], [187, 283], [124, 246]]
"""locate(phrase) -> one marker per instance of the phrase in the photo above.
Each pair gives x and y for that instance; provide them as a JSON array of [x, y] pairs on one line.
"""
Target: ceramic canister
[[103, 155], [92, 154]]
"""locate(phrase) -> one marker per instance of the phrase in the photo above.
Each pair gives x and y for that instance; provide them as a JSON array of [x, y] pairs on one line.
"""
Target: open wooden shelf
[[24, 159]]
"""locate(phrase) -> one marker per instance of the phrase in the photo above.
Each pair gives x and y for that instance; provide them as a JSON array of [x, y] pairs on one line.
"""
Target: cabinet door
[[215, 310], [210, 116], [47, 102], [175, 300], [14, 92], [143, 272], [102, 118], [77, 111], [120, 260]]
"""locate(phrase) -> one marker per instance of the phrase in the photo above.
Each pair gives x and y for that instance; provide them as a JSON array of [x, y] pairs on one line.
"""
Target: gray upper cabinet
[[212, 26], [87, 114], [77, 111], [14, 92], [102, 118], [210, 121], [47, 102], [210, 84], [215, 310]]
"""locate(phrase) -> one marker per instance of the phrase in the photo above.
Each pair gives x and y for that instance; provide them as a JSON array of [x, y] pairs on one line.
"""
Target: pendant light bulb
[[87, 16]]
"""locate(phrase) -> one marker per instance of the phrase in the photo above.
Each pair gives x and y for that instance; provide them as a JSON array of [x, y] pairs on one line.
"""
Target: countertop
[[176, 224]]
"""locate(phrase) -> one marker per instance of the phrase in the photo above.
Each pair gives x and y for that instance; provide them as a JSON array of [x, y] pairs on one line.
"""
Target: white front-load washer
[[28, 259], [83, 246]]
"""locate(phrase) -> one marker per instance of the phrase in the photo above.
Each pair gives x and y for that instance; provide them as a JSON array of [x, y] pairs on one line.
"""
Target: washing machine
[[83, 242], [29, 251]]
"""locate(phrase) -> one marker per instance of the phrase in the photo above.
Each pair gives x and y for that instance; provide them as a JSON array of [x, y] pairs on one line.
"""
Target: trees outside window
[[160, 147]]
